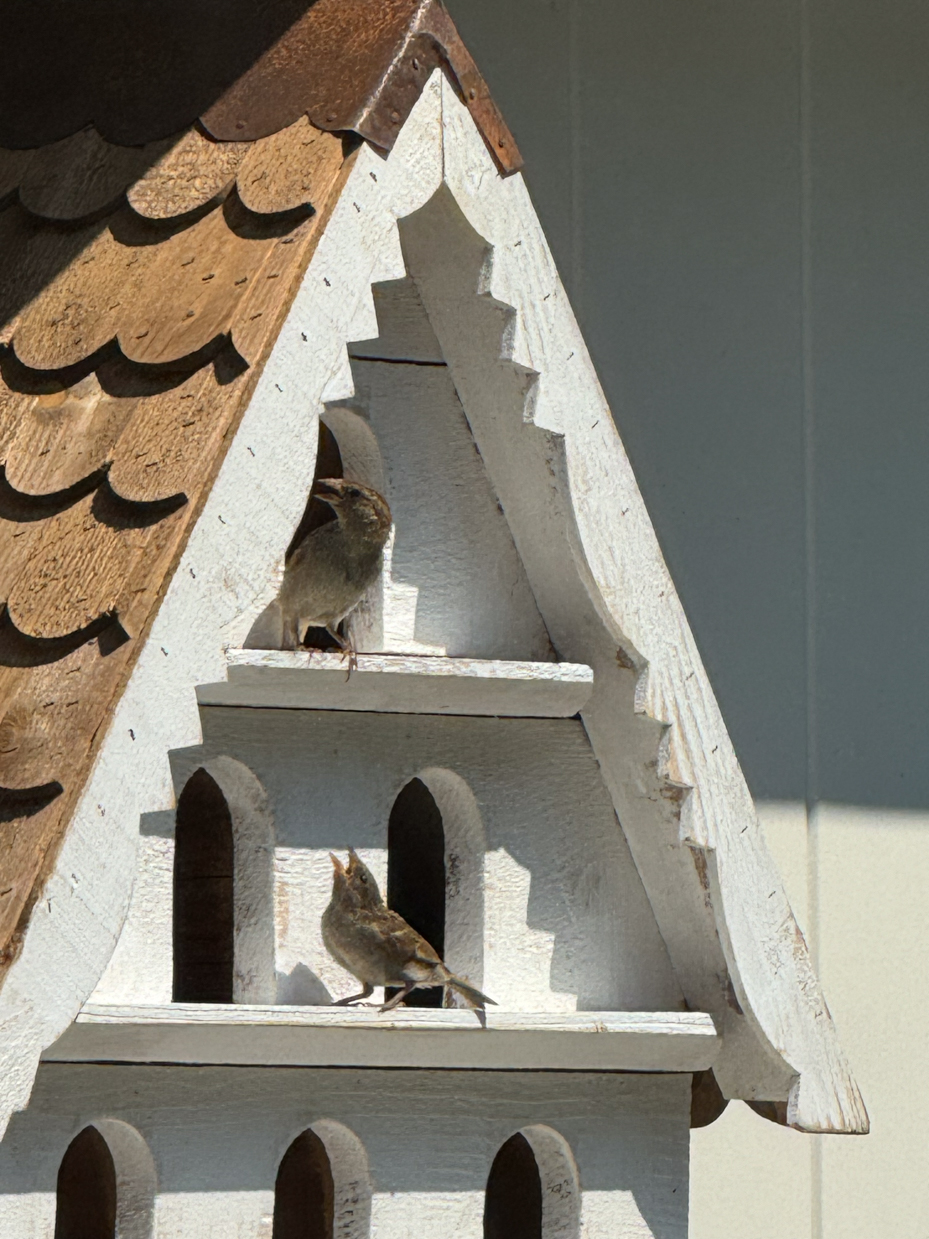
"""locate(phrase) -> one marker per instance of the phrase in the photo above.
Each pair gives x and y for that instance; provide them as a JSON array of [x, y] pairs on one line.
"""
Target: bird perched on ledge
[[334, 566], [376, 945]]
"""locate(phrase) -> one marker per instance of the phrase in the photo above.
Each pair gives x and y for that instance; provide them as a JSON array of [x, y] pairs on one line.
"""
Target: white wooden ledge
[[397, 684], [674, 1041]]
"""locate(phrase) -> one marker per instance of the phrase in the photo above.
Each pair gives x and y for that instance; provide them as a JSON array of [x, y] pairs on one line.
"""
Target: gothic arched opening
[[513, 1200], [304, 1191], [318, 513], [85, 1206], [204, 894], [416, 873]]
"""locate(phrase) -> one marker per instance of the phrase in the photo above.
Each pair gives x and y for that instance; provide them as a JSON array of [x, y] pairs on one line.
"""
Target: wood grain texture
[[55, 712], [262, 310], [75, 571], [34, 256], [115, 412], [289, 168], [63, 436], [187, 176], [166, 301], [159, 452], [82, 174], [78, 310]]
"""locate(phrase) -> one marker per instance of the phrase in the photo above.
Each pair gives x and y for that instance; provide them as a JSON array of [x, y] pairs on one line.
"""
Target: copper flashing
[[358, 65], [144, 73]]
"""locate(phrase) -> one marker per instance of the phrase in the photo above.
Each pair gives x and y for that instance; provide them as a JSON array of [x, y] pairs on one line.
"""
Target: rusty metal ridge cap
[[359, 65], [433, 41], [472, 88]]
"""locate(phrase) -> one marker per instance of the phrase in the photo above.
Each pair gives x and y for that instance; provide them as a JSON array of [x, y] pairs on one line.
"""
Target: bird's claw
[[352, 657]]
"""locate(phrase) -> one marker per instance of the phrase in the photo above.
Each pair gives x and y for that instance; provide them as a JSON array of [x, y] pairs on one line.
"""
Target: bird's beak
[[336, 863], [327, 488]]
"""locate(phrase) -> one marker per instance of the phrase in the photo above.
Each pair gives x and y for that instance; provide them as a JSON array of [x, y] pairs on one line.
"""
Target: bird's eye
[[363, 878]]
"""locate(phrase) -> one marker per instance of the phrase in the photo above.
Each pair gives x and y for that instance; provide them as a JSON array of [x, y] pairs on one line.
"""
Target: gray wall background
[[737, 196]]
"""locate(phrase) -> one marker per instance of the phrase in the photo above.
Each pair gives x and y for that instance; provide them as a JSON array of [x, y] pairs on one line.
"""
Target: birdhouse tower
[[250, 268]]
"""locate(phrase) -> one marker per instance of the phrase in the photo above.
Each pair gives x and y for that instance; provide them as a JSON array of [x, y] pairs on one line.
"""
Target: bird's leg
[[408, 988], [345, 645], [290, 637], [347, 1002]]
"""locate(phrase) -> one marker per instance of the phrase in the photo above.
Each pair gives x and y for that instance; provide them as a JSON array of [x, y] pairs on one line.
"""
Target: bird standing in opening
[[376, 945], [334, 566]]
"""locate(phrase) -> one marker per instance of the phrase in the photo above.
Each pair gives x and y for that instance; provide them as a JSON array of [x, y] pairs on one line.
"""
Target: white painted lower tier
[[197, 1148], [361, 1037]]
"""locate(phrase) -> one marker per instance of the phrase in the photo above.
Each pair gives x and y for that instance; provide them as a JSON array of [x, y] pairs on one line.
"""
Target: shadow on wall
[[789, 495]]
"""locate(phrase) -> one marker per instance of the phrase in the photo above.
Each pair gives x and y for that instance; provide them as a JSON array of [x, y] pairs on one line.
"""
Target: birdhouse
[[250, 265]]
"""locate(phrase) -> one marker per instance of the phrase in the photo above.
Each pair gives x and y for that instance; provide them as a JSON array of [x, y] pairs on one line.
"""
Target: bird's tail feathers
[[474, 996]]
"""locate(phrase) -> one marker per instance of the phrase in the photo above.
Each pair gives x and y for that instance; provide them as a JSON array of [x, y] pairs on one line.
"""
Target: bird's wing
[[315, 581], [401, 941]]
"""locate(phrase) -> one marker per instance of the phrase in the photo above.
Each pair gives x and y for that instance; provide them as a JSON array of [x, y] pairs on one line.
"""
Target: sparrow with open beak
[[376, 945]]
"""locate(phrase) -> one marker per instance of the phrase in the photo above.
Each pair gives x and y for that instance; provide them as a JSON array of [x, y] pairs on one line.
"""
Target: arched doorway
[[532, 1189], [416, 872], [223, 887], [303, 1191], [85, 1205], [106, 1185], [435, 872], [322, 1187], [204, 894]]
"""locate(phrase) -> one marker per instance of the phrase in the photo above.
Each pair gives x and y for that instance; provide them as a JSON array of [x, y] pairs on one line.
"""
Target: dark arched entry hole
[[317, 513], [303, 1191], [86, 1201], [416, 872], [706, 1100], [513, 1202], [204, 909]]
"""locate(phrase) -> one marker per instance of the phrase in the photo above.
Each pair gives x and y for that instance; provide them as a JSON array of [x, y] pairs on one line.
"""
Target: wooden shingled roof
[[164, 179]]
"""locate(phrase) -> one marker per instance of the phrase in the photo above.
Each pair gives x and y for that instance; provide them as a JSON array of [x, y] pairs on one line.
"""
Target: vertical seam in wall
[[809, 499], [445, 86], [577, 219]]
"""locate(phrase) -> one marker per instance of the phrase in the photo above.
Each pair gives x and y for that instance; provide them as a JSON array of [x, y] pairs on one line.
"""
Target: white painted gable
[[567, 567]]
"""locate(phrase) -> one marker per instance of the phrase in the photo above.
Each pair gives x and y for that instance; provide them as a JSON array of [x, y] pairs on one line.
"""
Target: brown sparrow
[[334, 566], [376, 945]]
